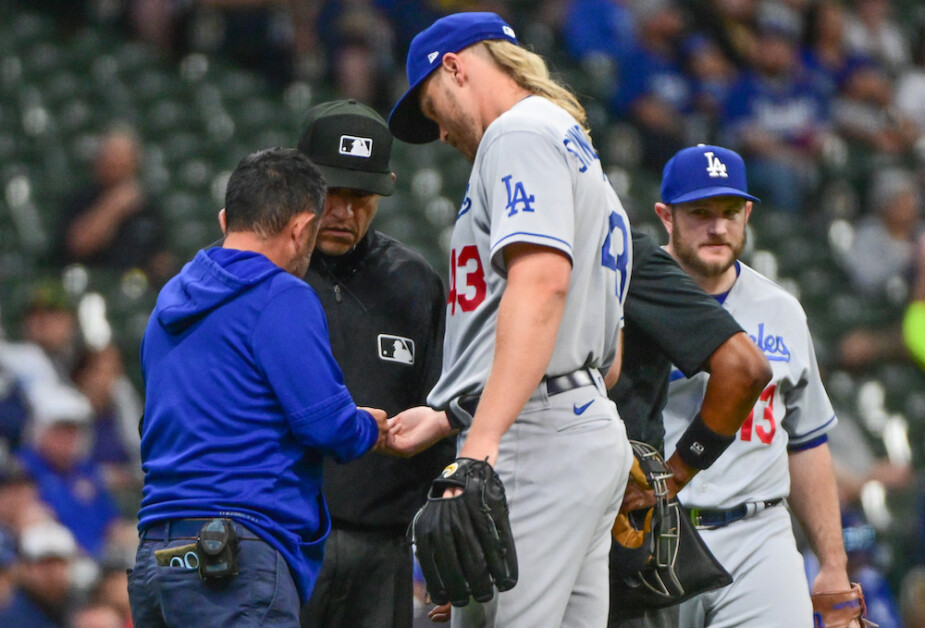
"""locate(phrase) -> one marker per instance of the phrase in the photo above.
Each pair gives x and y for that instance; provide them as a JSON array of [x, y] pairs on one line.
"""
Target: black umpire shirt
[[669, 320], [385, 307]]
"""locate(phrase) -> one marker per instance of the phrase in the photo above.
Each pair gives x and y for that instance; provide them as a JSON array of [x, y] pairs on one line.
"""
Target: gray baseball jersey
[[793, 409], [536, 179]]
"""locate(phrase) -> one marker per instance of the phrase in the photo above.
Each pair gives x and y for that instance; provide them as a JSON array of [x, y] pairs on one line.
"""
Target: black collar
[[339, 264]]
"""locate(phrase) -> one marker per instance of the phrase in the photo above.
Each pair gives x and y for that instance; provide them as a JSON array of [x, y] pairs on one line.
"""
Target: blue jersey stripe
[[809, 436], [537, 235], [810, 444]]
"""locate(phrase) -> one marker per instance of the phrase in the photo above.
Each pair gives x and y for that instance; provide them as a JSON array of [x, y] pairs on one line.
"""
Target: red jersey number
[[765, 429], [471, 291]]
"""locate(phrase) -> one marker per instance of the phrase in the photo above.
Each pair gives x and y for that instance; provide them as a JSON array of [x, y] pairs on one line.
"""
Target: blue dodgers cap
[[704, 171], [448, 34]]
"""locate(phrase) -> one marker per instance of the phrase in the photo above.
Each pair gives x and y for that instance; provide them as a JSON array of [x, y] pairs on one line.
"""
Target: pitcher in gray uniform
[[539, 265]]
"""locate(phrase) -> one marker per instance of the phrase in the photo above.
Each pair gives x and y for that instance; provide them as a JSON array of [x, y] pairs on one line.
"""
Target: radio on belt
[[218, 549]]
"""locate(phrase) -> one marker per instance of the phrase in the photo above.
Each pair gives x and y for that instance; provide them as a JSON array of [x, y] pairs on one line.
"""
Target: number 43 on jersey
[[471, 293]]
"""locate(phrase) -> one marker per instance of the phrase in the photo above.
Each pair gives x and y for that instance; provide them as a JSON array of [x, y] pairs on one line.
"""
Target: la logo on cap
[[715, 168], [356, 146]]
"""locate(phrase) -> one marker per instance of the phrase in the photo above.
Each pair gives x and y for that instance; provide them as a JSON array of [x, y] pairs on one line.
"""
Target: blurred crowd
[[70, 477], [825, 99]]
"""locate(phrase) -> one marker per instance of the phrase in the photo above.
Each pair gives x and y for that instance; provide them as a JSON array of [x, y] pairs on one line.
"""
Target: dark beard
[[696, 266]]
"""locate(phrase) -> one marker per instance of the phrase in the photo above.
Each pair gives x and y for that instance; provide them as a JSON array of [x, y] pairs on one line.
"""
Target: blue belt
[[709, 518], [188, 529], [554, 386]]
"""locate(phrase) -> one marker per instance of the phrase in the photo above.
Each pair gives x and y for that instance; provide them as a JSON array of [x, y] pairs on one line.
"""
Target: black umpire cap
[[350, 143]]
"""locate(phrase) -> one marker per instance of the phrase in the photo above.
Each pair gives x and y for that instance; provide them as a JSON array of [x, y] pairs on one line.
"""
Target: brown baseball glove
[[840, 609]]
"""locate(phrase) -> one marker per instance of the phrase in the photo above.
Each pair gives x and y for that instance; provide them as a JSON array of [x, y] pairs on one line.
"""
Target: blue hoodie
[[243, 400]]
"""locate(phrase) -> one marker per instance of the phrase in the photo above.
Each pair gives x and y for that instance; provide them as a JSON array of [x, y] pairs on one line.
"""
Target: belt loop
[[598, 378], [695, 516]]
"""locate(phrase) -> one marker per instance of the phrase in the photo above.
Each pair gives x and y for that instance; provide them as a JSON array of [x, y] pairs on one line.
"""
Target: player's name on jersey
[[773, 346]]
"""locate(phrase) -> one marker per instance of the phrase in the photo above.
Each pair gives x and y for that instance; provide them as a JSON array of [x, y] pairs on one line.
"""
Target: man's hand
[[125, 199], [681, 474], [833, 579], [382, 422], [412, 431], [638, 495], [440, 614]]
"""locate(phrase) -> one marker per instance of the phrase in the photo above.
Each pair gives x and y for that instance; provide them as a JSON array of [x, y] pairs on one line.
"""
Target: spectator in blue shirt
[[244, 399], [42, 598], [653, 91], [712, 76], [778, 119], [599, 34], [825, 53], [67, 480]]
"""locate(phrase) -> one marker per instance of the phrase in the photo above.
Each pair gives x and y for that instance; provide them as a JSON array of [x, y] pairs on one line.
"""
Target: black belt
[[554, 386], [188, 529], [710, 518]]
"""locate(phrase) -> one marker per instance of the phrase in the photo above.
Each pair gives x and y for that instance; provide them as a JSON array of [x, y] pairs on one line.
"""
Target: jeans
[[261, 594]]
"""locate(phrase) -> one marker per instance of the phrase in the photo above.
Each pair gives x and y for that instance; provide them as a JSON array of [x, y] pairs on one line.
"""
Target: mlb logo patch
[[396, 349], [356, 146]]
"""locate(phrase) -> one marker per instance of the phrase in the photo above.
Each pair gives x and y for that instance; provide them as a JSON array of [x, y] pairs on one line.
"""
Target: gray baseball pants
[[564, 464]]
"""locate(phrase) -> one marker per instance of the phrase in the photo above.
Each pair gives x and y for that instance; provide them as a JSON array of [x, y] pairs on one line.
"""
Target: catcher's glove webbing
[[839, 609], [464, 543], [657, 558]]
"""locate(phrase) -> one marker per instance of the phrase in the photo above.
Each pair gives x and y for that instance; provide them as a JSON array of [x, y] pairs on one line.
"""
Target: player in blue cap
[[780, 452], [539, 269]]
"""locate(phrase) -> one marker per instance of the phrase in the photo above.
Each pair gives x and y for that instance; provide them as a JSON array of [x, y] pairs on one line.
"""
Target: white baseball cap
[[57, 403], [47, 539]]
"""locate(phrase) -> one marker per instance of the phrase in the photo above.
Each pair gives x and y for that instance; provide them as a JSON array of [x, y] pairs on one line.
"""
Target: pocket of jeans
[[243, 599]]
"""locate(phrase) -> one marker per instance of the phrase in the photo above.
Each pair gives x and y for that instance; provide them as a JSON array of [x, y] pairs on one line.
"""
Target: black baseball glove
[[464, 543], [657, 558]]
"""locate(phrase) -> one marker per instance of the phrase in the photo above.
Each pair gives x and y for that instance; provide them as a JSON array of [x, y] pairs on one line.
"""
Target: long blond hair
[[530, 72]]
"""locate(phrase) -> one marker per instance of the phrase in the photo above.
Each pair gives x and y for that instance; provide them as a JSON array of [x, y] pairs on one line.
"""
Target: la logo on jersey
[[517, 195], [396, 349], [715, 168], [356, 146]]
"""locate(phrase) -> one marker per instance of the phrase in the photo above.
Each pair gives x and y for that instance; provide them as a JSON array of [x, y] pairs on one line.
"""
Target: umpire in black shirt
[[385, 307]]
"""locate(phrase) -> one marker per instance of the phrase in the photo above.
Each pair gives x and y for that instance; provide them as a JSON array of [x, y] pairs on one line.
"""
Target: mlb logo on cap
[[704, 171], [356, 146], [351, 144]]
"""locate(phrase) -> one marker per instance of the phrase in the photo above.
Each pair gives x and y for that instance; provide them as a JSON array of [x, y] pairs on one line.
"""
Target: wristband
[[700, 446]]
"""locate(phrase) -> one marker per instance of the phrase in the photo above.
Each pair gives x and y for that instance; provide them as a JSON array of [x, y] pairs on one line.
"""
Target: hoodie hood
[[212, 278]]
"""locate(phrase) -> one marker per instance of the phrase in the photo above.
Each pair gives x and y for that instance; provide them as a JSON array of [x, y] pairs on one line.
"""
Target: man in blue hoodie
[[232, 518]]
